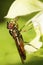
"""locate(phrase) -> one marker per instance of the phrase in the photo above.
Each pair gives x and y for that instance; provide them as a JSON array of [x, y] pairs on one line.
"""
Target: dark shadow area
[[4, 7], [41, 0], [3, 20]]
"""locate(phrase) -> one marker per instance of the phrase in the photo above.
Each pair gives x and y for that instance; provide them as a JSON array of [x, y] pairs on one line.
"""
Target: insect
[[15, 33]]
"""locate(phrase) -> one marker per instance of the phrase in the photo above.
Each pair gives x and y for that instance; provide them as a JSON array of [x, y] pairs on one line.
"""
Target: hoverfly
[[15, 33]]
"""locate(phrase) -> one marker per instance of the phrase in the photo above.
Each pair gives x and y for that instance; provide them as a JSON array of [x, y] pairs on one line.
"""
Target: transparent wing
[[34, 44]]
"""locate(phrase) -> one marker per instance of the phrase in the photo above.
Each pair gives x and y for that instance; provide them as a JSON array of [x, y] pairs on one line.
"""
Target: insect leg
[[30, 23]]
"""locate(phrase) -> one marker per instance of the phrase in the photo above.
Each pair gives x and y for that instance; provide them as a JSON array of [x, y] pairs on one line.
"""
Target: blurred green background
[[8, 51]]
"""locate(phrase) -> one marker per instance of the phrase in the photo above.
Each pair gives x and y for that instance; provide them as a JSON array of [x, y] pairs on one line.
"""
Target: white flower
[[21, 7], [38, 26]]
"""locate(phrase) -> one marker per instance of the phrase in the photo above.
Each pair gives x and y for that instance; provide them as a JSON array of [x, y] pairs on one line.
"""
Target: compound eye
[[10, 25]]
